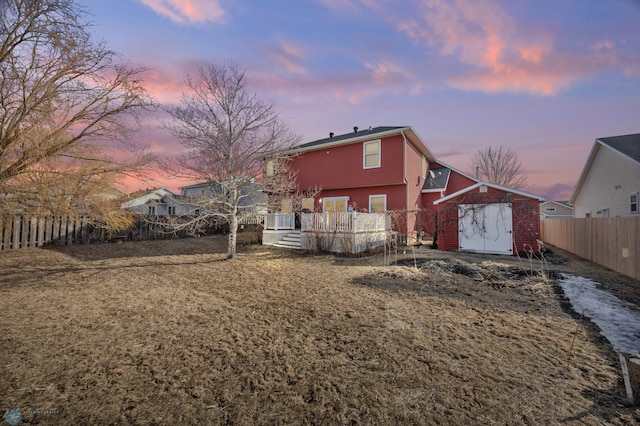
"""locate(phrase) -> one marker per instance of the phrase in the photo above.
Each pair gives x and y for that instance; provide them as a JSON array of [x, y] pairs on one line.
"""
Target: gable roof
[[492, 185], [364, 135], [626, 145], [155, 196], [558, 203]]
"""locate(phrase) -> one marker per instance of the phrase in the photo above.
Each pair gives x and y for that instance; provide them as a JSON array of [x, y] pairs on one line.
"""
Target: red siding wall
[[359, 197], [525, 218], [341, 166]]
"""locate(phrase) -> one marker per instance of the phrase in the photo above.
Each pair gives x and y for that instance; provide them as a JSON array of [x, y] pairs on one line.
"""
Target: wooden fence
[[613, 242], [25, 231]]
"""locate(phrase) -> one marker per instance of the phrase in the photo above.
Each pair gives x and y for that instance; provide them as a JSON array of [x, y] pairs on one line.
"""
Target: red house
[[391, 169]]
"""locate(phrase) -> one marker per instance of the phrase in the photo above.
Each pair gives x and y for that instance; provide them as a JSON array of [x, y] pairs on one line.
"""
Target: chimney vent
[[355, 129], [330, 134]]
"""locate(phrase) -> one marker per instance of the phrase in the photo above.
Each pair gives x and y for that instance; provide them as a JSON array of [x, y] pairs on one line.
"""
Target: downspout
[[404, 172]]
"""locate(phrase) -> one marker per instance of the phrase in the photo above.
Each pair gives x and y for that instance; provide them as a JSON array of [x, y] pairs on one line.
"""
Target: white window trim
[[637, 203], [364, 154], [378, 195], [325, 199]]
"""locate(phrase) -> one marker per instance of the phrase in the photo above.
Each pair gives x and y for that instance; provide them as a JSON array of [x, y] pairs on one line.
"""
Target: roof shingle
[[629, 145]]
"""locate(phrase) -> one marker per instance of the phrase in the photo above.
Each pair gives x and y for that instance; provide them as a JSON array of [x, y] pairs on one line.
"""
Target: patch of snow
[[618, 320]]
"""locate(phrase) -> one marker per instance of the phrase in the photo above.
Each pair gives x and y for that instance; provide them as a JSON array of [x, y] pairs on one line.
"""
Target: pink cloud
[[498, 55], [289, 55], [187, 11]]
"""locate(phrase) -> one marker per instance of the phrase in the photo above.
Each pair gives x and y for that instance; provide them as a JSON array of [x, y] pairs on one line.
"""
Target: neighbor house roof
[[559, 203], [626, 145], [155, 195], [363, 135], [492, 185]]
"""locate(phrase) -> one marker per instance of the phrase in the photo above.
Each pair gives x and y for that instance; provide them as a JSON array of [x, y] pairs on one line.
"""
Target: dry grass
[[167, 332]]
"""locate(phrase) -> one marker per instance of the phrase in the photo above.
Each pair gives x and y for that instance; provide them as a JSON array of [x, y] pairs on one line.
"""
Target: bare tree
[[67, 107], [499, 165], [280, 183], [227, 132]]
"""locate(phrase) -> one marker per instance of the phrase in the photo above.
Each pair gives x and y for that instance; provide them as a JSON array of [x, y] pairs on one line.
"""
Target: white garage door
[[485, 228]]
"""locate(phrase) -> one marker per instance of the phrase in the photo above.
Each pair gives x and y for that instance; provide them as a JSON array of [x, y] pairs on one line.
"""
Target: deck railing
[[279, 221], [349, 222]]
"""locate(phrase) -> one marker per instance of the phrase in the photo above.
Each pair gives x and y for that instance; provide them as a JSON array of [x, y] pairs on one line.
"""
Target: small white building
[[159, 202], [555, 210]]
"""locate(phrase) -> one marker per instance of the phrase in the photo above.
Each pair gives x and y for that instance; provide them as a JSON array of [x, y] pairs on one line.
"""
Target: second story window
[[371, 154]]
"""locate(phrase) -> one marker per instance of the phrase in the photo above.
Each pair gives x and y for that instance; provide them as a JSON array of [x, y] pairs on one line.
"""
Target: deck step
[[290, 241]]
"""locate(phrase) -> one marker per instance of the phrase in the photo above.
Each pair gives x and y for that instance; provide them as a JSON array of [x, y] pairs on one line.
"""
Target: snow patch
[[618, 320]]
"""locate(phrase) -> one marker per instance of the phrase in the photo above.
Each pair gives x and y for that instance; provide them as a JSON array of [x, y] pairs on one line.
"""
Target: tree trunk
[[233, 236]]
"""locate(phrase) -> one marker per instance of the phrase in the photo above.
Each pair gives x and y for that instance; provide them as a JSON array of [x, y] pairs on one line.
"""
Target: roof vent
[[355, 129], [330, 134]]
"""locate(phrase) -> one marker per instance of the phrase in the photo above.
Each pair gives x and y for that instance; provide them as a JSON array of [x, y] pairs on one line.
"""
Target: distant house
[[253, 197], [390, 169], [555, 210], [610, 180], [157, 202]]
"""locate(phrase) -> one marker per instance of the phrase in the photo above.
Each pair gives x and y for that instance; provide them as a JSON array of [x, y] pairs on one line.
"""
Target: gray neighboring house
[[255, 198], [610, 180], [158, 202], [555, 210]]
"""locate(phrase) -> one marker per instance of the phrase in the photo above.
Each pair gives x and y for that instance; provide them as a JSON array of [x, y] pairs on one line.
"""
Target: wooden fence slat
[[39, 231], [613, 242]]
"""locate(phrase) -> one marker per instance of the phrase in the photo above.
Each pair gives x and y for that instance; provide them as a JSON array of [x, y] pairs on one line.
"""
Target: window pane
[[377, 204], [287, 206], [372, 154], [307, 204]]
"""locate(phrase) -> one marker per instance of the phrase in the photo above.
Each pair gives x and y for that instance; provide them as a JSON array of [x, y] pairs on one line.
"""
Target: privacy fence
[[613, 242], [38, 231]]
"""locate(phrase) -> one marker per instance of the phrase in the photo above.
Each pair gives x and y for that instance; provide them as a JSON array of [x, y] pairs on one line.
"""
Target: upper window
[[549, 209], [377, 203], [633, 202], [371, 154], [270, 168], [424, 167]]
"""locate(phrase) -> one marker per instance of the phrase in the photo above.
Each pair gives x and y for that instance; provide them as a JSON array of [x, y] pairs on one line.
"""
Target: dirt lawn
[[168, 332]]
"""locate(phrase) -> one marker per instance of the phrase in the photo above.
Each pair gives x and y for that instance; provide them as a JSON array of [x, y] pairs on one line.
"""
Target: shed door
[[485, 228]]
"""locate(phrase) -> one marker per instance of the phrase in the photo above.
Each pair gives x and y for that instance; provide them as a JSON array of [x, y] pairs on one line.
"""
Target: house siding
[[610, 180], [415, 181], [342, 166]]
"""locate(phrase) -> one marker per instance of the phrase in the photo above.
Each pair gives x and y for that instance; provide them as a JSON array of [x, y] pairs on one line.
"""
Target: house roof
[[626, 145], [492, 185], [559, 203], [364, 135], [156, 195], [436, 180]]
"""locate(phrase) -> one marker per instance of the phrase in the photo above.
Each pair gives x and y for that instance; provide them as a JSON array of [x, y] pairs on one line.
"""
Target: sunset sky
[[545, 77]]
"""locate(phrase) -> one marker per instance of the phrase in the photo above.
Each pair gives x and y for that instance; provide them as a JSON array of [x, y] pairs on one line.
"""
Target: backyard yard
[[168, 332]]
